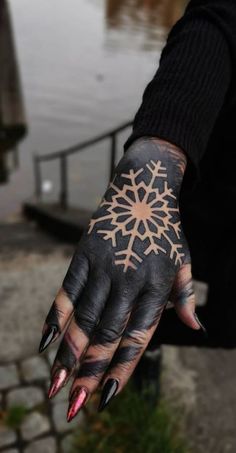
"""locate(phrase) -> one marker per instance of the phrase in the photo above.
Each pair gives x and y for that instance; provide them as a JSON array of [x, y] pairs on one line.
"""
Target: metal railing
[[63, 155]]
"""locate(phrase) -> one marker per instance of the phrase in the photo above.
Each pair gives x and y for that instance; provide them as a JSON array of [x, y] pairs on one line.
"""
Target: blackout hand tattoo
[[123, 272]]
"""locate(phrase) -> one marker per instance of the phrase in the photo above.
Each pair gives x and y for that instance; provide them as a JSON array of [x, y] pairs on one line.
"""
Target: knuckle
[[106, 335], [88, 374], [93, 369], [61, 314], [65, 356], [54, 314], [85, 321], [137, 337]]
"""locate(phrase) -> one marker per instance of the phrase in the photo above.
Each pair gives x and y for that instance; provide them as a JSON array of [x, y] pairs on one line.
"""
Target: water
[[84, 65]]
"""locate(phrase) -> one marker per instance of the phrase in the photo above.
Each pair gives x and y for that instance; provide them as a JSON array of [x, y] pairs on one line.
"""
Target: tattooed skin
[[128, 262], [140, 211]]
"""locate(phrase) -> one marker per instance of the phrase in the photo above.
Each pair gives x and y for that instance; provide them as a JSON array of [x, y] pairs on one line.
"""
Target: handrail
[[82, 145], [63, 155]]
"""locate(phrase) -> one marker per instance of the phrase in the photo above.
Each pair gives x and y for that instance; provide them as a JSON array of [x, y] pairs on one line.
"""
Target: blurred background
[[71, 71], [78, 63]]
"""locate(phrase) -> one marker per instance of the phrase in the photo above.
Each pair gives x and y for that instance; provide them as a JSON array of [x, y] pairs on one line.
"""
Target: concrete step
[[67, 224]]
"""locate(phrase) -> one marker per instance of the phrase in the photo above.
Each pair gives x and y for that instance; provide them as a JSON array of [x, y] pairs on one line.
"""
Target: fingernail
[[58, 381], [47, 337], [77, 401], [200, 324], [108, 392]]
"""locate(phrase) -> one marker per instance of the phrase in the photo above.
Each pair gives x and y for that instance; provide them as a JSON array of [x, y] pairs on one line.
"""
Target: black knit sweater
[[195, 84], [191, 102]]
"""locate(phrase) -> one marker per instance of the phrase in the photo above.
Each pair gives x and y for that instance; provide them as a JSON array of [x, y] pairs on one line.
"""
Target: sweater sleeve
[[194, 81]]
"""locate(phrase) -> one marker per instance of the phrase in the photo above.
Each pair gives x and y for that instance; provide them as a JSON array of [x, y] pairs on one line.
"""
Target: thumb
[[183, 297]]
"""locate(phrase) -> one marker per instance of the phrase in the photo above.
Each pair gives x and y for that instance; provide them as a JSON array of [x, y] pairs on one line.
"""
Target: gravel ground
[[32, 266]]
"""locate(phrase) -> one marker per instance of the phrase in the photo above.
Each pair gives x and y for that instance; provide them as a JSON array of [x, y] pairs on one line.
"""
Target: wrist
[[172, 158], [175, 153]]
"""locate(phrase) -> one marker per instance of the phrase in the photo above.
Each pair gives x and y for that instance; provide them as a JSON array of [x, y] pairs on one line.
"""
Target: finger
[[63, 306], [101, 349], [140, 328], [183, 297], [85, 318]]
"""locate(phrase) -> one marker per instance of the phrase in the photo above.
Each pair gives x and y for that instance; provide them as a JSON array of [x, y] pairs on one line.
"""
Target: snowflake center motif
[[141, 211]]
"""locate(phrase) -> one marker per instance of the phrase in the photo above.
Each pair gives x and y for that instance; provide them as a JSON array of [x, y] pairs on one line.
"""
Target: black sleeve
[[195, 80]]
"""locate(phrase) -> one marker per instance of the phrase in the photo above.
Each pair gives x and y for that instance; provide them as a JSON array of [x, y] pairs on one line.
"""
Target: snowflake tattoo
[[141, 211]]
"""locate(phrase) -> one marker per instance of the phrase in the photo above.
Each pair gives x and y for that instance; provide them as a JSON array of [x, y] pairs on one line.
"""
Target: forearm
[[182, 102], [148, 149]]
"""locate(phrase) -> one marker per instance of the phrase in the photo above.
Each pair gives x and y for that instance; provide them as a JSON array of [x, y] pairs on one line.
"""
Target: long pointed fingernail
[[48, 337], [200, 324], [77, 401], [58, 381], [108, 392]]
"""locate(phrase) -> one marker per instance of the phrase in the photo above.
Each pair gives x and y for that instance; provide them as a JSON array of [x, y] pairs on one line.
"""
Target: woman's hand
[[132, 259]]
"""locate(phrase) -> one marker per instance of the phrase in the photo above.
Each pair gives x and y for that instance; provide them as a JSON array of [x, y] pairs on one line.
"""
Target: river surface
[[84, 65]]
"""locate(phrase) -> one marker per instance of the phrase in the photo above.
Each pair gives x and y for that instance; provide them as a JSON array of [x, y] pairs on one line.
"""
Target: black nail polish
[[48, 337], [108, 392], [200, 324]]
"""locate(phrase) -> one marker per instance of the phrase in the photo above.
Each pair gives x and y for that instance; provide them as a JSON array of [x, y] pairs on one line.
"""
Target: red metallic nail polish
[[77, 401], [58, 381]]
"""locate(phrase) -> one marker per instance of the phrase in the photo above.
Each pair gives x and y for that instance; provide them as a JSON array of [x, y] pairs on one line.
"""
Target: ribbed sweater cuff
[[182, 102]]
